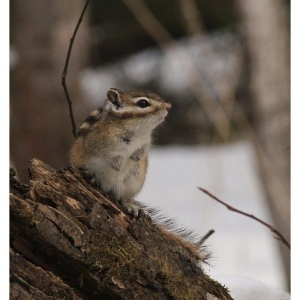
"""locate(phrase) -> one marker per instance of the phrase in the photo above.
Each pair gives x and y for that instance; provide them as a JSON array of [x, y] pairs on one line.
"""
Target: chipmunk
[[112, 143], [112, 147]]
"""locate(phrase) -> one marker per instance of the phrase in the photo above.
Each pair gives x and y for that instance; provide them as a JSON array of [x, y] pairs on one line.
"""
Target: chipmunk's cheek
[[160, 118], [164, 113]]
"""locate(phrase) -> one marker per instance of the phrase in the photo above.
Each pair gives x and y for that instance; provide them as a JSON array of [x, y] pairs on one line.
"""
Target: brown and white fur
[[112, 144]]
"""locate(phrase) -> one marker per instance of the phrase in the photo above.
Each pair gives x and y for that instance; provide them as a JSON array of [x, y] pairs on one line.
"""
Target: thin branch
[[205, 237], [65, 71], [162, 37], [278, 235]]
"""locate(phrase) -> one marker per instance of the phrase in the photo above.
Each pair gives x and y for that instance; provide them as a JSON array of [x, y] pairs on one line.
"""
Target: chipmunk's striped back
[[89, 122]]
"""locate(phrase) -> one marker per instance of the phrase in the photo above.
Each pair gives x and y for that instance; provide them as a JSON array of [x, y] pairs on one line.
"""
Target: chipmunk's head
[[142, 108]]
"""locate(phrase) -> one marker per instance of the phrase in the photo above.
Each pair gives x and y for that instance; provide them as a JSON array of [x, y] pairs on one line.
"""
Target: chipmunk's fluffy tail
[[186, 242]]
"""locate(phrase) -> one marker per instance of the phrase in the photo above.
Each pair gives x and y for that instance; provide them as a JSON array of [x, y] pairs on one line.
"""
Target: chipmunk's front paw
[[89, 177], [131, 207]]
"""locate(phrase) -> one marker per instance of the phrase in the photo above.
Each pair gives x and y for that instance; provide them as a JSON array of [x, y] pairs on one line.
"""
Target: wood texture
[[69, 241]]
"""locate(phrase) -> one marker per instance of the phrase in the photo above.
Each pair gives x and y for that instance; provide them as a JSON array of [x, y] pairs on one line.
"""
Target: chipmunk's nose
[[168, 106]]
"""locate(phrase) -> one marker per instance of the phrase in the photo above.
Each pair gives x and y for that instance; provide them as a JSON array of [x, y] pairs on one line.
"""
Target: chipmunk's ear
[[114, 95]]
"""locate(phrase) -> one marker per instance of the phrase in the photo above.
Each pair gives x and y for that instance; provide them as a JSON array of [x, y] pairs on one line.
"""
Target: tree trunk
[[69, 241], [266, 28], [40, 34]]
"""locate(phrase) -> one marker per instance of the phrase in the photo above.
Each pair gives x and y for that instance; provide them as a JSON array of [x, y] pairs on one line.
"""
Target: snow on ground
[[240, 246], [243, 288]]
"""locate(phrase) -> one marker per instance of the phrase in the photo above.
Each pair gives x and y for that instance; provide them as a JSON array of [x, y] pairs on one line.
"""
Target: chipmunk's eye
[[143, 103]]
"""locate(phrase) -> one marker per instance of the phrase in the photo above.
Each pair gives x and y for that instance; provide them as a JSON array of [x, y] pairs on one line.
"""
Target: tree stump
[[69, 241]]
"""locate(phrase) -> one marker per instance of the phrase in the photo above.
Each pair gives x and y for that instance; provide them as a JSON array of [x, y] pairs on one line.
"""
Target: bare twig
[[278, 235], [205, 237], [64, 74], [163, 38]]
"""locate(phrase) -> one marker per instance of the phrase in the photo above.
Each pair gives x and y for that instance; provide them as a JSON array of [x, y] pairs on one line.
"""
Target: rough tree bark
[[69, 241], [266, 28]]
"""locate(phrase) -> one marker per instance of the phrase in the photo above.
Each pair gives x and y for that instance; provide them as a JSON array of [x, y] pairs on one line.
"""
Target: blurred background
[[225, 67]]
